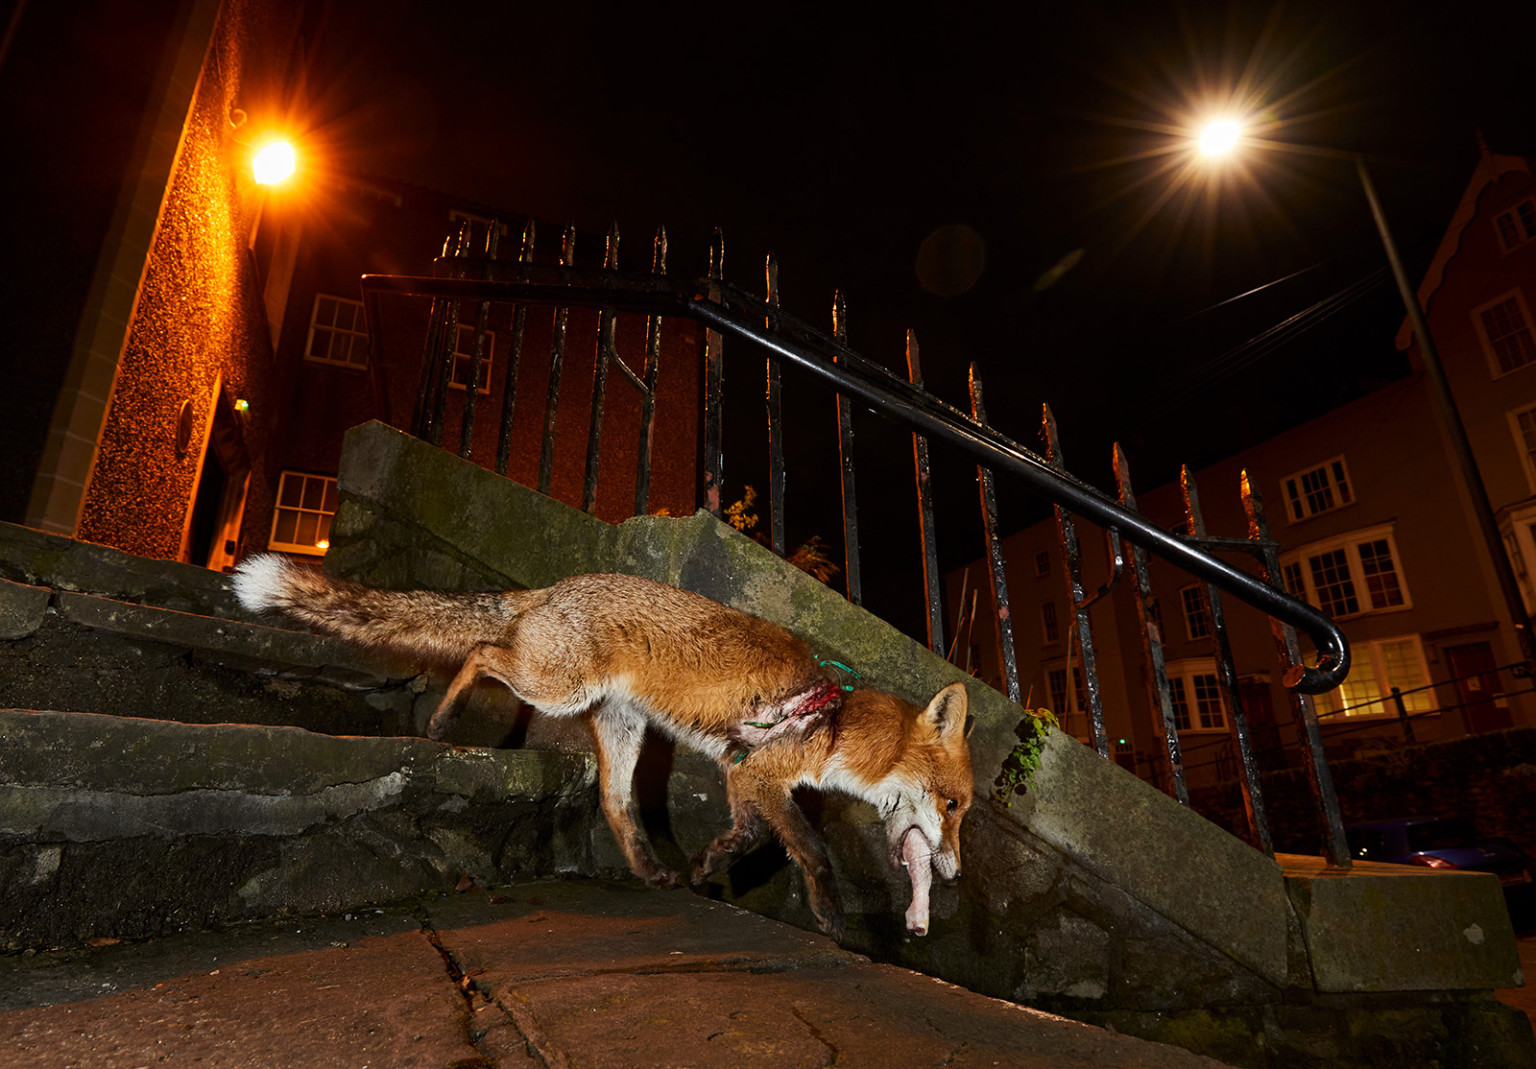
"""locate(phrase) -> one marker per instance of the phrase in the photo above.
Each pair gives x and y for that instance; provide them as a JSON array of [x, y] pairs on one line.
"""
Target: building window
[[1197, 618], [1195, 695], [1322, 489], [1061, 702], [1347, 576], [301, 523], [1378, 667], [338, 333], [1050, 630], [1522, 421], [1505, 328], [1517, 225], [1042, 564], [1056, 683], [464, 359]]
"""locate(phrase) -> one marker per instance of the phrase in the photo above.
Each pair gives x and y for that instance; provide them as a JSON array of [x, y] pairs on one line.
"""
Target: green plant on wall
[[1020, 764]]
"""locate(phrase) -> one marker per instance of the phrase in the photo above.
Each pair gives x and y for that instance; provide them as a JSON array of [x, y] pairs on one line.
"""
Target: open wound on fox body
[[795, 717], [916, 857]]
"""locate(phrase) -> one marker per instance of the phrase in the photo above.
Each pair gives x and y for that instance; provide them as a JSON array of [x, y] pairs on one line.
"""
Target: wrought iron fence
[[479, 278]]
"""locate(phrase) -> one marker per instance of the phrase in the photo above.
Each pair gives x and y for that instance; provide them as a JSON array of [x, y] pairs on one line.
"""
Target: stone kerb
[[1119, 828]]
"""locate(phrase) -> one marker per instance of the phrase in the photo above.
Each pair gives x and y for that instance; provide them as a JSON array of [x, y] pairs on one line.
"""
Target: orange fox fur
[[627, 652]]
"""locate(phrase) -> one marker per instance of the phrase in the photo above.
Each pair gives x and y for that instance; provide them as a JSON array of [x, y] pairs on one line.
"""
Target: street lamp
[[1218, 138]]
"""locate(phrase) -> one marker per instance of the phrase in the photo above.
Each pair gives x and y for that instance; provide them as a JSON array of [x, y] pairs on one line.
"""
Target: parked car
[[1446, 843]]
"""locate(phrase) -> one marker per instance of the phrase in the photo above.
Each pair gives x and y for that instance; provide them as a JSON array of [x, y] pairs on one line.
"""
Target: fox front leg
[[746, 829], [809, 852]]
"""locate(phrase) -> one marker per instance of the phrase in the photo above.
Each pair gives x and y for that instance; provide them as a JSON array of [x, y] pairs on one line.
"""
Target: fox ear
[[946, 713]]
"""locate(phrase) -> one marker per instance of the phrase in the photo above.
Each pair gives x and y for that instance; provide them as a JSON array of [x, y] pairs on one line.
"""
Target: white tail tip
[[258, 581]]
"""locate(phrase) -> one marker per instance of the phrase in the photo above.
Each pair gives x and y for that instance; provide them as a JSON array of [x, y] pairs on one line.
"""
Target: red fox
[[626, 652]]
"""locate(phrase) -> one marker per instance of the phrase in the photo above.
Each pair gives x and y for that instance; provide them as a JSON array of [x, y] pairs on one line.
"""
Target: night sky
[[1011, 181]]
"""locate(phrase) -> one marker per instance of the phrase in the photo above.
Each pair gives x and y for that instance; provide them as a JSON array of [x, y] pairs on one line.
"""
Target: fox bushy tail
[[415, 622]]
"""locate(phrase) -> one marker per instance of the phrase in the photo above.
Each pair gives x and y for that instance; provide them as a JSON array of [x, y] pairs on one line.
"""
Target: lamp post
[[1224, 135]]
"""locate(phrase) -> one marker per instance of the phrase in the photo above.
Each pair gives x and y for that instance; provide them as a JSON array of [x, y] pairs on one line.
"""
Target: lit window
[[1195, 695], [1197, 621], [338, 333], [301, 523], [1049, 629], [1376, 668], [464, 359], [1517, 225], [1505, 330], [1322, 489], [1346, 576]]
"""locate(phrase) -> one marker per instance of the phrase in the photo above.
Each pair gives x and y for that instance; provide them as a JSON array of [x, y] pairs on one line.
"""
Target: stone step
[[125, 828], [63, 648]]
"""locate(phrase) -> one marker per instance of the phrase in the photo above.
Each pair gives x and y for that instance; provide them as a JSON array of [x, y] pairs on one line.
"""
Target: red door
[[1478, 686]]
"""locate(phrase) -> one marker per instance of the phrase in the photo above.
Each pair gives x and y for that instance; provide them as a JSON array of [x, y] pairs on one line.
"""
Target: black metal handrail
[[731, 311]]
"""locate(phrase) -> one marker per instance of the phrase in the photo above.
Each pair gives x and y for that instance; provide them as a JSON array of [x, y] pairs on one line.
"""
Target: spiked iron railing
[[726, 312]]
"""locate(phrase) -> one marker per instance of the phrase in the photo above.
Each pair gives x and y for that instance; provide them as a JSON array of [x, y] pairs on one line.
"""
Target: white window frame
[[1525, 448], [1367, 693], [464, 357], [1050, 624], [357, 340], [1494, 367], [1193, 605], [1187, 679], [324, 510], [1522, 218], [1519, 531], [1297, 563], [1337, 483]]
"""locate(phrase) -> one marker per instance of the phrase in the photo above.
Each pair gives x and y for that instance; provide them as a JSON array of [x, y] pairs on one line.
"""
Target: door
[[1477, 684]]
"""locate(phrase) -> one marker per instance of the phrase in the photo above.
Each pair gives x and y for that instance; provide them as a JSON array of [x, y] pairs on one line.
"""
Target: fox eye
[[951, 805]]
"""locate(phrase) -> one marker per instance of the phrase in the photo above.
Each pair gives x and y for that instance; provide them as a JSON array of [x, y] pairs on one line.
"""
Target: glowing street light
[[274, 163], [1219, 137]]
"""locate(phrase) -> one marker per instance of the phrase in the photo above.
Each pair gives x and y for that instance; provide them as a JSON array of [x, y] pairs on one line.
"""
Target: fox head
[[930, 786]]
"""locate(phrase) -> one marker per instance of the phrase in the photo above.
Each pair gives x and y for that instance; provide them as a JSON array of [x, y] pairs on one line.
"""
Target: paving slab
[[579, 973]]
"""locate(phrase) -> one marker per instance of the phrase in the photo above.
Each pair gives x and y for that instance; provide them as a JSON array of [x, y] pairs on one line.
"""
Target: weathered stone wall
[[1093, 895]]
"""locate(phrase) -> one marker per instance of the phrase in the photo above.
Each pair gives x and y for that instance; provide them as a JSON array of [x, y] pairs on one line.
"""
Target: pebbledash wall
[[1094, 895]]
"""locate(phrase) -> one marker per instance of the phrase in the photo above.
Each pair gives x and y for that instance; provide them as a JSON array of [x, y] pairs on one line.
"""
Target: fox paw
[[831, 926], [662, 879]]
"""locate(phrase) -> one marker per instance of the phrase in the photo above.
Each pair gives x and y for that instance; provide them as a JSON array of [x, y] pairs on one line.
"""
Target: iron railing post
[[714, 382], [556, 370], [932, 581], [995, 564], [514, 359], [845, 456], [652, 374], [774, 401], [1072, 564], [1152, 639], [605, 354], [1226, 677], [1303, 708]]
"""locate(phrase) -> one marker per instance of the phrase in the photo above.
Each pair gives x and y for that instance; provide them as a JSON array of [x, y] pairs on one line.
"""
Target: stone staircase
[[187, 767]]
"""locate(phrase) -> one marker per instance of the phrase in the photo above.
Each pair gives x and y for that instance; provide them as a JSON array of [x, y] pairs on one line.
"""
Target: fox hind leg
[[619, 730], [484, 660]]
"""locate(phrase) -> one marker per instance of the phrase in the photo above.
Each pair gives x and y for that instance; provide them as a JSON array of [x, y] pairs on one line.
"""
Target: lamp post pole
[[1460, 445]]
